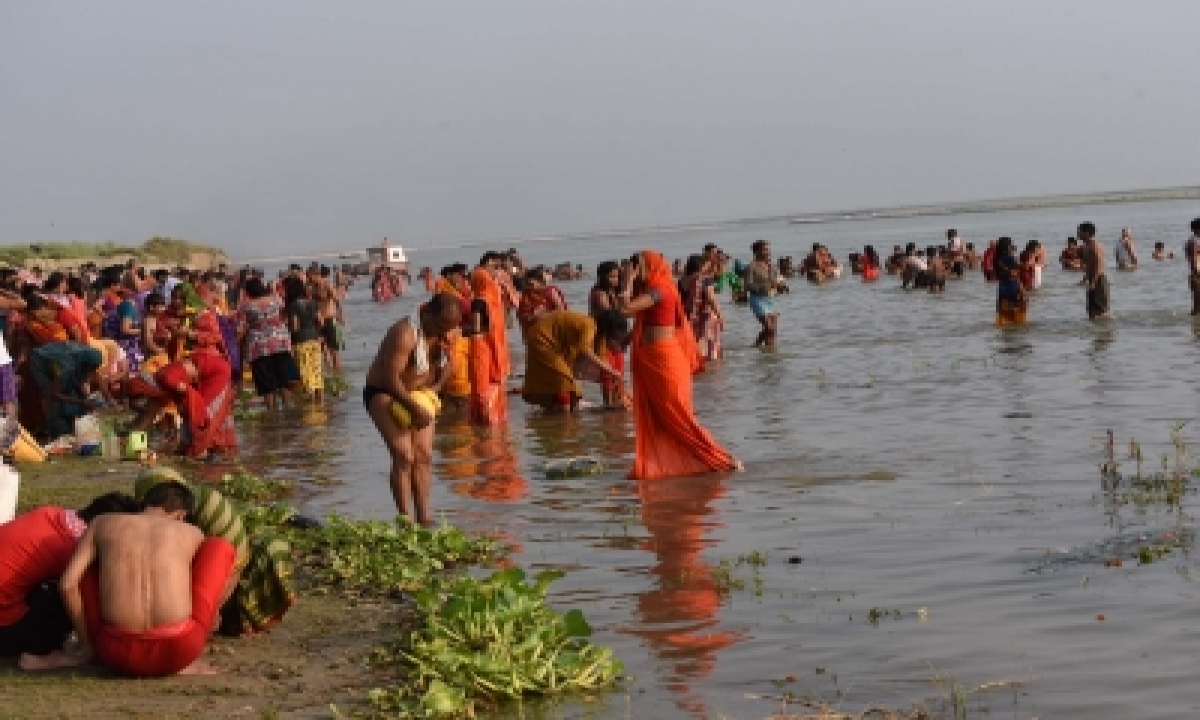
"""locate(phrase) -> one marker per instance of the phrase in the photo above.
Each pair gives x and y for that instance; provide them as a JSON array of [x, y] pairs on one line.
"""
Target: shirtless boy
[[1191, 253], [402, 365], [1094, 278], [144, 591], [329, 306]]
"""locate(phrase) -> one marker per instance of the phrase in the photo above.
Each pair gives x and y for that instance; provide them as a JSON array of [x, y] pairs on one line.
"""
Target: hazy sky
[[264, 126]]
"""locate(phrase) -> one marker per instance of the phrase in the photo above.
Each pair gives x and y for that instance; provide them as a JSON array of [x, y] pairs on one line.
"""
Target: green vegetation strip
[[161, 249], [476, 643]]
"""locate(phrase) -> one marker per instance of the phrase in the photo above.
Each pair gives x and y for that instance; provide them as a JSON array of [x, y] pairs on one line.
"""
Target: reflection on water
[[678, 617], [914, 456]]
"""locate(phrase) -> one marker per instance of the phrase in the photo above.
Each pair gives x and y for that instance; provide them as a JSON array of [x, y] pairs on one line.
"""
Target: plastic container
[[87, 431], [137, 443], [26, 449], [10, 482], [112, 448]]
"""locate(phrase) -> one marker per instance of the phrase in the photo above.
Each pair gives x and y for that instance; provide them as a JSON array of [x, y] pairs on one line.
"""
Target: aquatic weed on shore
[[385, 558], [486, 641]]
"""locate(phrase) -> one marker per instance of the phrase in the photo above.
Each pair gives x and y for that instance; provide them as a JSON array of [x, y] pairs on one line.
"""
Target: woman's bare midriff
[[653, 333]]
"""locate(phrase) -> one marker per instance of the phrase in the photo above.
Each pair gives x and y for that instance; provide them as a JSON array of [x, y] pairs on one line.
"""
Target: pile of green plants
[[250, 488], [485, 641], [385, 558], [473, 643]]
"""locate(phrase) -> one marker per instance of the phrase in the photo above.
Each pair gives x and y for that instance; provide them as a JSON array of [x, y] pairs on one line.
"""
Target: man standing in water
[[1126, 255], [1094, 278], [1191, 253], [402, 366], [761, 279]]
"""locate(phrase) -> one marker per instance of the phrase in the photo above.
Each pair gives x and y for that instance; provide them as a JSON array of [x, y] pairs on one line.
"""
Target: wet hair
[[35, 302], [444, 306], [603, 270], [294, 289], [75, 287], [1086, 228], [694, 263], [113, 502], [612, 325], [53, 280], [255, 288], [172, 497]]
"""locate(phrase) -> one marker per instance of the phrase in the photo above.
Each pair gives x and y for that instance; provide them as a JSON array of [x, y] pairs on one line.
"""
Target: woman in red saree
[[201, 385], [537, 299], [488, 351], [669, 440]]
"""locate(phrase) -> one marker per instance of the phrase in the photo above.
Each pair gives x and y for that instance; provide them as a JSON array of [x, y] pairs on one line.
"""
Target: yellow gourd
[[427, 399]]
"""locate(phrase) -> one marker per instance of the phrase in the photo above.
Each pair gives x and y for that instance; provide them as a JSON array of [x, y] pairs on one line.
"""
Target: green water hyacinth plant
[[250, 488], [386, 558], [492, 640]]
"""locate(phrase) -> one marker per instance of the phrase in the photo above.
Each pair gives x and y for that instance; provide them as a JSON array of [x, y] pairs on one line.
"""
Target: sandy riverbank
[[313, 660]]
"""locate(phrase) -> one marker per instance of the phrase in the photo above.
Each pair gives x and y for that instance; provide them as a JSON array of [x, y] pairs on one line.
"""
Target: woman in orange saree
[[488, 403], [663, 357]]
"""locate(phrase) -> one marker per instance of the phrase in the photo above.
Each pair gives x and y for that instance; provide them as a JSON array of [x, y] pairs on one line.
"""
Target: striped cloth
[[265, 589]]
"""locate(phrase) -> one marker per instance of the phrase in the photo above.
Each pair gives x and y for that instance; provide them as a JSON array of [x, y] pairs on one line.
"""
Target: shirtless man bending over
[[143, 591], [403, 365]]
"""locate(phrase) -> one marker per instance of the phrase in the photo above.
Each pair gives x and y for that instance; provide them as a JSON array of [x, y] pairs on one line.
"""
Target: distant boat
[[386, 255]]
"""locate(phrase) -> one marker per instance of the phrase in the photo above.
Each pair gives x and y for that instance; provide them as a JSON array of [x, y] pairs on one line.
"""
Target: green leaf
[[576, 625]]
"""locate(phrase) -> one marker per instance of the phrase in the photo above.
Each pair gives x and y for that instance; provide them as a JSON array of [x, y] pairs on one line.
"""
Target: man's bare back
[[1093, 260], [145, 563]]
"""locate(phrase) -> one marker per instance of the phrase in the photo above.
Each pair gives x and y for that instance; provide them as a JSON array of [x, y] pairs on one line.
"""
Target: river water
[[903, 456]]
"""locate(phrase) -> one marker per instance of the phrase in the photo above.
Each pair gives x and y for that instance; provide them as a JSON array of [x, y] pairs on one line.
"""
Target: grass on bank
[[453, 645], [156, 249]]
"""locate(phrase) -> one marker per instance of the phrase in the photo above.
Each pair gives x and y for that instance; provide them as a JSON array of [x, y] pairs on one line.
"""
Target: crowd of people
[[458, 346], [178, 340], [171, 344]]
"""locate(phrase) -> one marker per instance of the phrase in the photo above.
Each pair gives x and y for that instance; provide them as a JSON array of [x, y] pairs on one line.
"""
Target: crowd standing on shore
[[174, 346]]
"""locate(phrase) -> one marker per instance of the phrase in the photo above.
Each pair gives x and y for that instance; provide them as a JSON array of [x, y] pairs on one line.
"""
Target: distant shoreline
[[967, 207]]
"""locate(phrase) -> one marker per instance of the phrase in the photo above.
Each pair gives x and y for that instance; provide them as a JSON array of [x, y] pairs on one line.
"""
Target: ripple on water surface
[[922, 487]]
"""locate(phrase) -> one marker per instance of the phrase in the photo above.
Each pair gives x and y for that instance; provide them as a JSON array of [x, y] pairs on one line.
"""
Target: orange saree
[[487, 354], [669, 440]]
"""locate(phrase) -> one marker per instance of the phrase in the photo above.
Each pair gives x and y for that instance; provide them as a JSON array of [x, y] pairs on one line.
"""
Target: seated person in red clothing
[[34, 551], [143, 591]]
